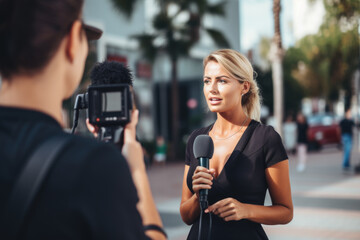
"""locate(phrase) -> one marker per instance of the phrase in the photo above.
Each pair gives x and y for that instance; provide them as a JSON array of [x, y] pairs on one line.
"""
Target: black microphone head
[[110, 73], [203, 147]]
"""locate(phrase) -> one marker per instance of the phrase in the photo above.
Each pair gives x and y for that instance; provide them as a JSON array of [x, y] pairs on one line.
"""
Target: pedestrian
[[302, 141], [248, 158], [290, 134], [92, 191], [160, 154], [346, 126]]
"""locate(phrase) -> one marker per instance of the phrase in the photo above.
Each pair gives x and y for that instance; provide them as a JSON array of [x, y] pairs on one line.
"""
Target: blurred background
[[307, 49], [307, 56]]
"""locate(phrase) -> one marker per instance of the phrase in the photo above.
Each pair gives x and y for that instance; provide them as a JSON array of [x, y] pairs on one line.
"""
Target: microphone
[[203, 150], [110, 72]]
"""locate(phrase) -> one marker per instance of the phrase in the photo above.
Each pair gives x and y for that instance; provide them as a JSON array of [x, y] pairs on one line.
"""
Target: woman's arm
[[133, 153], [189, 206], [281, 210]]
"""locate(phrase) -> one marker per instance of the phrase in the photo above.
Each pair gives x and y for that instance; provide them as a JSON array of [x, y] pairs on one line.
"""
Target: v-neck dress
[[242, 178]]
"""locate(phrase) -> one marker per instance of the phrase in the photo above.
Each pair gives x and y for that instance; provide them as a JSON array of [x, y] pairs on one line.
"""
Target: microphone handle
[[204, 162]]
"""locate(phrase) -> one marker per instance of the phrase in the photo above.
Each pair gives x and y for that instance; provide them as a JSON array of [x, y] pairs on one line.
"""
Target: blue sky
[[257, 21]]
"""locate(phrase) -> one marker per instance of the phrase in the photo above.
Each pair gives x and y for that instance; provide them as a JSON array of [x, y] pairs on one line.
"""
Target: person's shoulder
[[262, 128], [91, 159], [265, 133], [85, 149], [191, 139], [199, 131], [88, 142]]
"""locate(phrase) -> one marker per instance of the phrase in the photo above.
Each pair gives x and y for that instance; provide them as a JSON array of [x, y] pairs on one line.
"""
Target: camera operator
[[91, 191], [110, 74]]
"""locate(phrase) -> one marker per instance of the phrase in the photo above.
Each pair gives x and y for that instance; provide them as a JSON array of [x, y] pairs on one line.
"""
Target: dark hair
[[110, 73], [31, 32]]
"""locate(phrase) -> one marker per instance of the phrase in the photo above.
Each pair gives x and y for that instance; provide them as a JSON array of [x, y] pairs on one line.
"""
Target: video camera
[[108, 107]]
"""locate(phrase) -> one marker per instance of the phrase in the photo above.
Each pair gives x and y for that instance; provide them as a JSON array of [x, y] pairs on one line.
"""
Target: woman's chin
[[214, 109]]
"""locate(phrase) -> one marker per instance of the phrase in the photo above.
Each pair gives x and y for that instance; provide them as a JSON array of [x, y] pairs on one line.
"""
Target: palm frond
[[177, 48], [125, 6], [216, 9], [162, 21], [218, 37], [201, 6], [146, 42]]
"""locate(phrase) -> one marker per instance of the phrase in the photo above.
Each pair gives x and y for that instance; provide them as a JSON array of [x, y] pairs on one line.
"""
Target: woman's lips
[[214, 101]]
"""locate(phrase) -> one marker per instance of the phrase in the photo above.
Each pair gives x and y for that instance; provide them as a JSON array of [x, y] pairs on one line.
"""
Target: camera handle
[[113, 134], [81, 102]]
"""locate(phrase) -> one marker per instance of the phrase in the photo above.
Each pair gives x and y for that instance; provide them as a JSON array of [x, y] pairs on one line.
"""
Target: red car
[[323, 130]]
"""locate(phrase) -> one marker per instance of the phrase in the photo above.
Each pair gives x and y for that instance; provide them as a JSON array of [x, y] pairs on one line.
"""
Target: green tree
[[175, 38], [294, 92], [327, 60]]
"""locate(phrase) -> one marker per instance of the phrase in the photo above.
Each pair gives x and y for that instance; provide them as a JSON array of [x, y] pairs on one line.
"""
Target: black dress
[[242, 178]]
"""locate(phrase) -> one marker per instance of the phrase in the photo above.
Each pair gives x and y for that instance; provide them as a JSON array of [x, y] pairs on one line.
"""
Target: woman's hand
[[132, 149], [93, 129], [202, 179], [229, 209]]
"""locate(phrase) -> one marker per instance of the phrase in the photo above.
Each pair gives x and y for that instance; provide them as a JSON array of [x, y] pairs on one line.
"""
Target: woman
[[248, 158], [91, 192]]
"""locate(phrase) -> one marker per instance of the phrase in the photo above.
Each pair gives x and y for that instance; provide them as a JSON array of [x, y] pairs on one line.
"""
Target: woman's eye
[[206, 81], [222, 81]]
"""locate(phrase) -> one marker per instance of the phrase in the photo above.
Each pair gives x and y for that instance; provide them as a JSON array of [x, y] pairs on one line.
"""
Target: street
[[326, 199]]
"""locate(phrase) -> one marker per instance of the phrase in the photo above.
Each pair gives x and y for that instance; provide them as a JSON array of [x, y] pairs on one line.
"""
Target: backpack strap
[[29, 183]]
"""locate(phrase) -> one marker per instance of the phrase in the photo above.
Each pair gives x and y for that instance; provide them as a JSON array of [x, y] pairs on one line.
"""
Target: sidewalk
[[326, 200]]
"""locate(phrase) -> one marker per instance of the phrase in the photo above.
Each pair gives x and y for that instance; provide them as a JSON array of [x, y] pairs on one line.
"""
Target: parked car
[[323, 130]]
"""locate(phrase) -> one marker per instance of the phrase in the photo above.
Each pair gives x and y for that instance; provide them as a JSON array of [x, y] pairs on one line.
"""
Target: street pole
[[357, 82], [356, 93], [276, 56]]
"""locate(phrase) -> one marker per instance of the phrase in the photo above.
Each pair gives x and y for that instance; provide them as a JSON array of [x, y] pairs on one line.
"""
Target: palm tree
[[175, 35], [277, 55]]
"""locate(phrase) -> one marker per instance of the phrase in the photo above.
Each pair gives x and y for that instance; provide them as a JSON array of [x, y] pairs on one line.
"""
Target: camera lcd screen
[[111, 102], [109, 105]]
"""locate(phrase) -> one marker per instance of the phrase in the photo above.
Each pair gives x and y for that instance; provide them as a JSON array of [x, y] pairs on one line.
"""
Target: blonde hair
[[239, 67]]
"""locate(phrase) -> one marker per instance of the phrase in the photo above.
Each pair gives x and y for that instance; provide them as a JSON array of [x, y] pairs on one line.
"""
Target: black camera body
[[108, 100], [109, 105], [109, 108]]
